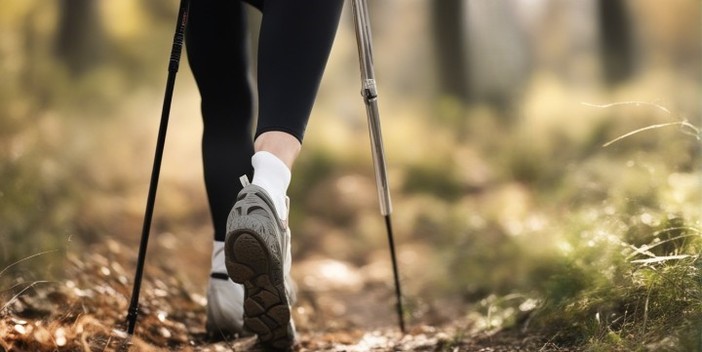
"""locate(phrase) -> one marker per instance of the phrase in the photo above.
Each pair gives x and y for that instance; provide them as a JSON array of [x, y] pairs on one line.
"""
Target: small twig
[[639, 250], [107, 344], [646, 251], [631, 102], [13, 287], [693, 130], [21, 292], [681, 123], [27, 258], [660, 259]]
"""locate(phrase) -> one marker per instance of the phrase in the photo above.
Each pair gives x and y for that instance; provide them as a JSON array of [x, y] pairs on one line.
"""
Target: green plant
[[631, 278]]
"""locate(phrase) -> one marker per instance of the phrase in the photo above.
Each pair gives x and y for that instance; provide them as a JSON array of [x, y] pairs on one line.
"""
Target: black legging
[[294, 43]]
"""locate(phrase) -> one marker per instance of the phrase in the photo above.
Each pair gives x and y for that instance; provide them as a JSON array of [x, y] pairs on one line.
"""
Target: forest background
[[544, 162]]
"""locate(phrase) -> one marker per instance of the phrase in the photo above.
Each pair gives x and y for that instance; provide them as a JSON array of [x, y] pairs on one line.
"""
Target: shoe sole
[[251, 261]]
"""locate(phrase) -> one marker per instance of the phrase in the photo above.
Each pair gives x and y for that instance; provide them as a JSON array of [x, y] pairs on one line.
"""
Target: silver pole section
[[370, 96]]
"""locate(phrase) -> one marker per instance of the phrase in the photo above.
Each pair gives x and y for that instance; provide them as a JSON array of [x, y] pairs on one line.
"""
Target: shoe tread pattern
[[254, 259]]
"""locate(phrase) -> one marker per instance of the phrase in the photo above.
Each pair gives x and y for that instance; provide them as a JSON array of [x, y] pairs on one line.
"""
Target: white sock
[[271, 174], [218, 258]]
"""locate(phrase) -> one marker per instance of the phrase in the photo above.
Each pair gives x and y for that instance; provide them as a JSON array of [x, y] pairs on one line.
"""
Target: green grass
[[603, 232]]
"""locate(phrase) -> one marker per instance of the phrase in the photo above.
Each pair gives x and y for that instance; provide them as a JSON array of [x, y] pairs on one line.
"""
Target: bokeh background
[[495, 115]]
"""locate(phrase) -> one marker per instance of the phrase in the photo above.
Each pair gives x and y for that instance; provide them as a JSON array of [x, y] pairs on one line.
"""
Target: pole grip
[[179, 36]]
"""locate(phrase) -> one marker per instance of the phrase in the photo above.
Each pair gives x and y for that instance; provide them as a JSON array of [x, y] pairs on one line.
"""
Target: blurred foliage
[[49, 122]]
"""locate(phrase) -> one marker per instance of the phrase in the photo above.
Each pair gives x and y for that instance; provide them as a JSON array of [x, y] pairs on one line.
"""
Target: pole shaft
[[370, 97], [396, 274], [369, 92], [174, 60]]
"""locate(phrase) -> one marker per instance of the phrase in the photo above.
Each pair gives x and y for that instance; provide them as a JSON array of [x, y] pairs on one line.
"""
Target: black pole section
[[396, 274], [156, 171]]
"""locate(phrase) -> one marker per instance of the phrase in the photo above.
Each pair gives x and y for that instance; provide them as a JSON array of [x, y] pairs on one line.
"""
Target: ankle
[[281, 144]]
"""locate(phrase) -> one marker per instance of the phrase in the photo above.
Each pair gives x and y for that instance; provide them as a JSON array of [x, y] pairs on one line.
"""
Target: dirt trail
[[340, 308]]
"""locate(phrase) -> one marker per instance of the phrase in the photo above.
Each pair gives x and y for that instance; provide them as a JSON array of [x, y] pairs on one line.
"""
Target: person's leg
[[294, 45], [216, 45]]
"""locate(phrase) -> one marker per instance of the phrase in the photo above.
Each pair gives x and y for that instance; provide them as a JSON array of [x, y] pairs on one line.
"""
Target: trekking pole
[[370, 97], [160, 142]]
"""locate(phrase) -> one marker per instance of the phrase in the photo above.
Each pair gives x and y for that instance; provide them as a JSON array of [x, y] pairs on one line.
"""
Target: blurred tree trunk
[[447, 18], [498, 60], [616, 40], [80, 41]]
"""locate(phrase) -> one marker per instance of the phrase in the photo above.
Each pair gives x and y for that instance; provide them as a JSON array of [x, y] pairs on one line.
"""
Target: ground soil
[[340, 308]]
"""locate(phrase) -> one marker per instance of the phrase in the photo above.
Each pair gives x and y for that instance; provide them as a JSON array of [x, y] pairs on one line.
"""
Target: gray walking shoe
[[257, 249]]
